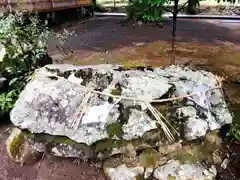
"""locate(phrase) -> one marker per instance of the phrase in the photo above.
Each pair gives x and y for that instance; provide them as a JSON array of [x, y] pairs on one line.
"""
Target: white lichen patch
[[177, 171]]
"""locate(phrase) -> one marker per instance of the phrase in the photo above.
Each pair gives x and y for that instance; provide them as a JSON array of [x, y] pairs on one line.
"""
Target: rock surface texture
[[65, 105], [105, 110], [177, 171]]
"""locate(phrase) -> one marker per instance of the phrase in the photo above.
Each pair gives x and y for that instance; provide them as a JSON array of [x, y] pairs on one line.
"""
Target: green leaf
[[13, 81]]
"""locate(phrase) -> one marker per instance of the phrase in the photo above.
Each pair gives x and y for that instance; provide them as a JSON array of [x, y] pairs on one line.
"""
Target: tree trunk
[[174, 26]]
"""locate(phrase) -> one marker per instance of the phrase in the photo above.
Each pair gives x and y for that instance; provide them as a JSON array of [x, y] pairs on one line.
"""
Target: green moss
[[149, 158], [106, 145], [51, 141], [17, 145], [190, 154], [133, 66], [168, 111], [171, 177], [116, 92], [115, 129], [139, 144], [139, 177], [128, 148], [63, 140], [47, 138], [117, 160]]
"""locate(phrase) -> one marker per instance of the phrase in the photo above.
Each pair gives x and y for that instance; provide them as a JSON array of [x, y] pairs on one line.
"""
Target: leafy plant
[[234, 133], [145, 10], [23, 40], [6, 102]]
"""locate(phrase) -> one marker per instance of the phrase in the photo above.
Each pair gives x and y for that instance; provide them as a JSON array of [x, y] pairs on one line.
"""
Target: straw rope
[[162, 121]]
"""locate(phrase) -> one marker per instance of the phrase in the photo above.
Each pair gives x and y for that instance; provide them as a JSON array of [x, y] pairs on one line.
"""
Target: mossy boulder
[[20, 150], [78, 102]]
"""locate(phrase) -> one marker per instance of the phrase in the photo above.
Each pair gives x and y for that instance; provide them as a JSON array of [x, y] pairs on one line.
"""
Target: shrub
[[145, 10], [234, 133], [23, 39]]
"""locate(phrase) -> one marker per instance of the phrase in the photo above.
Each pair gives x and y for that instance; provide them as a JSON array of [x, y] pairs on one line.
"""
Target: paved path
[[106, 34]]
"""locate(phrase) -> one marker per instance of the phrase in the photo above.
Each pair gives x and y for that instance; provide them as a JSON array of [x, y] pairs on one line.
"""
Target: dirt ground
[[206, 45]]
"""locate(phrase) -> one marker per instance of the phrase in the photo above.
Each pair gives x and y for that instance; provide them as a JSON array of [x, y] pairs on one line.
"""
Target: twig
[[81, 109], [41, 160], [182, 6], [143, 100], [163, 125]]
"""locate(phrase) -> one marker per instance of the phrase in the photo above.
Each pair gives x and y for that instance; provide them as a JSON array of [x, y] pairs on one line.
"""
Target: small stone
[[139, 43], [40, 147], [123, 172], [162, 160], [217, 159], [74, 79], [116, 168], [148, 172], [130, 151], [178, 171], [137, 125], [225, 163], [166, 149], [195, 127], [67, 150], [19, 149], [213, 139]]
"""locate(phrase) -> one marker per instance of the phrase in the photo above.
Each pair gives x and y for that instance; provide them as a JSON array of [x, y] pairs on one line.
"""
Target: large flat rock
[[74, 101]]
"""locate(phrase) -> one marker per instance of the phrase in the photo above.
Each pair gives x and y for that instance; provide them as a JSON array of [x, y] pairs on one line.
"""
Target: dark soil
[[51, 168], [232, 172]]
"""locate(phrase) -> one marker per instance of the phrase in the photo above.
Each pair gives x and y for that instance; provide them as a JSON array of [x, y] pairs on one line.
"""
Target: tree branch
[[182, 6]]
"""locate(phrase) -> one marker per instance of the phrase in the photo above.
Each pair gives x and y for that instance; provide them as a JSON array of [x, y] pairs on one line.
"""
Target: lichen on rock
[[178, 171]]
